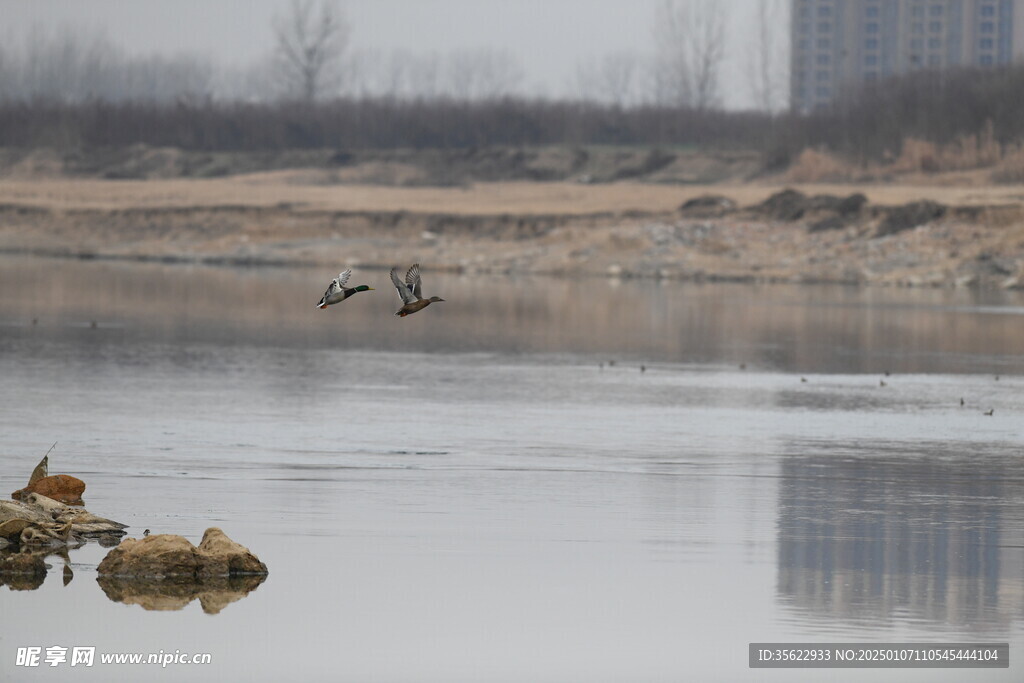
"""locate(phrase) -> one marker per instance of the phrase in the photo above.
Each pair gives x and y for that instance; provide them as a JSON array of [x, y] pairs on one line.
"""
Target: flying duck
[[336, 292], [412, 298]]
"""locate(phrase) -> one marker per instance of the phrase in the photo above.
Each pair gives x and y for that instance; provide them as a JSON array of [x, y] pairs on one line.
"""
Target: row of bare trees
[[313, 60], [872, 124]]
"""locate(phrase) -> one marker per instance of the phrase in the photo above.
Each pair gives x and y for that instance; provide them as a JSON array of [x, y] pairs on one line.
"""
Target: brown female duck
[[412, 298]]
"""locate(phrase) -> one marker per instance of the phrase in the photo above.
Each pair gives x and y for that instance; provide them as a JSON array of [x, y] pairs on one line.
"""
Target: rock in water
[[162, 556], [60, 487], [223, 557], [166, 572], [153, 557]]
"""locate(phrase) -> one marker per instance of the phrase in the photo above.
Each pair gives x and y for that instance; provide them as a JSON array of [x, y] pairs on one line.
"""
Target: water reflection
[[25, 569], [930, 533], [213, 593], [805, 329]]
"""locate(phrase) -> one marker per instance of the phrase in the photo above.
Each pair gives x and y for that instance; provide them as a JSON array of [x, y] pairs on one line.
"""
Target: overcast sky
[[550, 38]]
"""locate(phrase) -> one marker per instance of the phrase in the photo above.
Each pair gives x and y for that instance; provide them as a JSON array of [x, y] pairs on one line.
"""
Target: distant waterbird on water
[[336, 291], [411, 291]]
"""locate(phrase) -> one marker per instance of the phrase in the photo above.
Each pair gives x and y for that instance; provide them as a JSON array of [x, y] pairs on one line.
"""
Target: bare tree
[[670, 71], [766, 57], [690, 46], [483, 74], [609, 79], [310, 48]]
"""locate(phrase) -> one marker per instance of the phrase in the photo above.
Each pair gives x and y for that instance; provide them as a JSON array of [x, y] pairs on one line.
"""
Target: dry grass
[[818, 166], [919, 157]]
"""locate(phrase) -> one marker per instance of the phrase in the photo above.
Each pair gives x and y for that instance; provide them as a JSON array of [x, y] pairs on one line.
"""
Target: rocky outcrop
[[37, 520], [168, 556], [899, 218], [166, 572], [708, 206], [60, 487]]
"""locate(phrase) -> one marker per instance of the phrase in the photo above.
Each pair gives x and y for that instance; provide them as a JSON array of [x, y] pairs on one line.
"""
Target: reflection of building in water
[[934, 536]]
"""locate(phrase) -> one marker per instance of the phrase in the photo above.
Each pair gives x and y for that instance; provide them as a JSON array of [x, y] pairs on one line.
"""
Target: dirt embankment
[[742, 232], [575, 211], [393, 167]]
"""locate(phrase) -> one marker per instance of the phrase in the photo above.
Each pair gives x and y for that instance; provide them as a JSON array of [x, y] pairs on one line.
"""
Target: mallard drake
[[410, 291], [336, 292]]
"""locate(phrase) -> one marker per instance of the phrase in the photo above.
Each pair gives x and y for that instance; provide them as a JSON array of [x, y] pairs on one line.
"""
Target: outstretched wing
[[412, 279], [404, 290], [332, 288], [337, 285]]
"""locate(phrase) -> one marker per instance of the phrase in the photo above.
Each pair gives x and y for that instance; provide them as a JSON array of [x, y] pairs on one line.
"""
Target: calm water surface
[[493, 490]]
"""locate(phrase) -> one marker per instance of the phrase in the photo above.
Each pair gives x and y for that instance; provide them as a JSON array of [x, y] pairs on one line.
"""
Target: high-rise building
[[842, 43]]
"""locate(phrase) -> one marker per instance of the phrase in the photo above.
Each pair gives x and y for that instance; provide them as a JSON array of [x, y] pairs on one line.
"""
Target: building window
[[824, 11], [935, 10], [935, 26], [870, 76], [871, 27], [986, 44], [988, 10], [916, 44], [824, 26], [917, 11], [871, 44], [915, 59], [988, 27], [917, 27], [871, 12], [824, 43], [821, 76], [823, 91], [934, 60], [934, 43], [871, 60], [985, 60], [822, 60]]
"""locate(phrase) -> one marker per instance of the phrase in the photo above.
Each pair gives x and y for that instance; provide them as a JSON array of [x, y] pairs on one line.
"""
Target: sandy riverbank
[[624, 228]]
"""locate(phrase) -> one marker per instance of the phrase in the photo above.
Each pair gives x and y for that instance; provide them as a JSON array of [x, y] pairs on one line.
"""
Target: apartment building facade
[[841, 43]]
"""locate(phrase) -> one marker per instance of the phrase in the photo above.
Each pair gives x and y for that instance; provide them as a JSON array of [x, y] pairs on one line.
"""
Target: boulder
[[223, 557], [60, 487], [168, 556], [153, 557], [26, 525], [708, 206], [83, 522], [38, 520], [788, 205], [899, 218]]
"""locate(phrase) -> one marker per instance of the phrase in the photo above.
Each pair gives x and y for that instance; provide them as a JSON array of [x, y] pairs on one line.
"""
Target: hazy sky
[[549, 37]]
